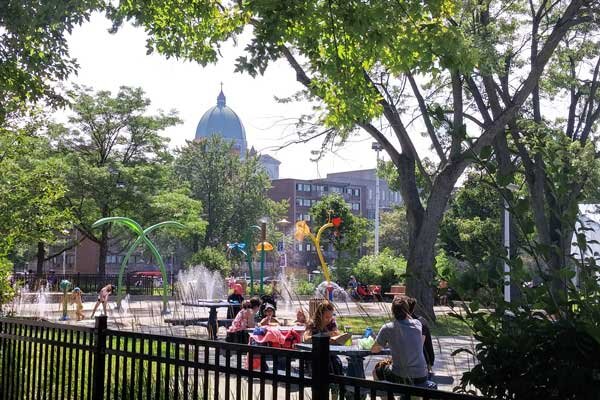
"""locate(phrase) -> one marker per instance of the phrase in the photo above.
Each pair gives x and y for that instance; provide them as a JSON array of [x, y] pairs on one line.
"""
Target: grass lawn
[[444, 325]]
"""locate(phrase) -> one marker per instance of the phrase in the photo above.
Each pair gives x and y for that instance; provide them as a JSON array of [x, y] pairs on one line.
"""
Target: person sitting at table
[[244, 319], [269, 319], [300, 318], [236, 299], [427, 344], [323, 322], [404, 337]]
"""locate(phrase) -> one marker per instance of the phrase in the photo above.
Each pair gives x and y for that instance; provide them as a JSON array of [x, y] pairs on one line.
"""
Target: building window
[[308, 202], [300, 247], [320, 188], [335, 189], [303, 187], [112, 259], [355, 206], [299, 201], [370, 194], [308, 247]]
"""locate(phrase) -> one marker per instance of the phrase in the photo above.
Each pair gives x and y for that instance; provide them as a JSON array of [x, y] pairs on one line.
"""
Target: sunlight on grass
[[444, 326]]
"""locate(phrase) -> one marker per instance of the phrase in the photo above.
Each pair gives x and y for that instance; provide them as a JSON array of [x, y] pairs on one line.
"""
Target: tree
[[32, 188], [213, 259], [347, 239], [233, 191], [361, 60], [393, 232], [34, 54], [117, 159], [471, 227]]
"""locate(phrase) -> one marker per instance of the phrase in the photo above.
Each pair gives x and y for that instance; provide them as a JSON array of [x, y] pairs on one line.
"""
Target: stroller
[[364, 293]]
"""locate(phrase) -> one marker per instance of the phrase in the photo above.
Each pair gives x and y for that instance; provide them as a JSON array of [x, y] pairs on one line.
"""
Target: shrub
[[305, 288], [383, 269], [213, 259], [6, 290]]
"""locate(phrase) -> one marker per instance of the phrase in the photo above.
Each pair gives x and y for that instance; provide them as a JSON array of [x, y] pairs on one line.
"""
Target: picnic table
[[356, 357], [212, 323]]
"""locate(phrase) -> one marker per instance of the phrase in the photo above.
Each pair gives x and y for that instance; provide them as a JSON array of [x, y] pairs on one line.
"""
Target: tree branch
[[425, 114]]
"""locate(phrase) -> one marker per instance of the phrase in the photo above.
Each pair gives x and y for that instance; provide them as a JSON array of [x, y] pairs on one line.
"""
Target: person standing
[[76, 299], [103, 298]]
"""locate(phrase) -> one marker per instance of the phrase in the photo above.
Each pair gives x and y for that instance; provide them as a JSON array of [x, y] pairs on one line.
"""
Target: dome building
[[223, 121]]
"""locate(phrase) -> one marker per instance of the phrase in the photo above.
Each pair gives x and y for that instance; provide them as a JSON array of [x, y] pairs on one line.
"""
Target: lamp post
[[506, 230], [65, 232], [249, 252], [283, 223], [263, 246], [377, 147]]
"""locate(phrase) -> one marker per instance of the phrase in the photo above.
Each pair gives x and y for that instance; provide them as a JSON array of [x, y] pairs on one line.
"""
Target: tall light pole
[[506, 228], [377, 147]]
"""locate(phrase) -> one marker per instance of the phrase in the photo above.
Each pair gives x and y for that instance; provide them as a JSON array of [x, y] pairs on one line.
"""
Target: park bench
[[396, 290]]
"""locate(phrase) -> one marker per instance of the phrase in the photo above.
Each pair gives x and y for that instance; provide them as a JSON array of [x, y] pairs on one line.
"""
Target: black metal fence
[[43, 360], [92, 283]]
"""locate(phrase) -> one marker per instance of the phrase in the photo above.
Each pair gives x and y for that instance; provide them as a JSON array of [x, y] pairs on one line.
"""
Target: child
[[269, 319], [322, 321], [103, 298], [242, 321], [300, 318], [76, 299]]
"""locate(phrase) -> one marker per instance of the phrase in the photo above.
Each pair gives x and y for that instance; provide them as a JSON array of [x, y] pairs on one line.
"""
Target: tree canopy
[[464, 69]]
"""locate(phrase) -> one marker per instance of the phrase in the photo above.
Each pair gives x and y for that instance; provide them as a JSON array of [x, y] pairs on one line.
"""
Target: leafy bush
[[383, 269], [305, 288], [6, 291], [213, 259], [524, 354]]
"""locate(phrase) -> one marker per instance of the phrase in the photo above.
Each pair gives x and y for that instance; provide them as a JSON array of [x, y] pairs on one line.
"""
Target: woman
[[242, 321], [235, 299], [103, 298]]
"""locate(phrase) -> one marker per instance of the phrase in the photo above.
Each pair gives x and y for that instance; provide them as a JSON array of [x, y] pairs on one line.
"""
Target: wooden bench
[[396, 290]]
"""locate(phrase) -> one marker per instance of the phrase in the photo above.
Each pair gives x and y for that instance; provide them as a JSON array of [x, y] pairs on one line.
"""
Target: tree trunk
[[423, 235], [103, 250], [41, 255]]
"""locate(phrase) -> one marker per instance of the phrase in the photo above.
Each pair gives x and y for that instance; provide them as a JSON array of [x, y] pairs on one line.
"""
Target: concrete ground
[[145, 316]]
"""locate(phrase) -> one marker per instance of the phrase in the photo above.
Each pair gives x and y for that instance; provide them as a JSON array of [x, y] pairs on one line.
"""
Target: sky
[[108, 61]]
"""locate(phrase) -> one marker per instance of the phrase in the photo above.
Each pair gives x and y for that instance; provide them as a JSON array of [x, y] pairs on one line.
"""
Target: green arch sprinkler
[[142, 238]]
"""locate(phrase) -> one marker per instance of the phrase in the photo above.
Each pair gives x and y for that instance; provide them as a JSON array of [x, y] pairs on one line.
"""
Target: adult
[[352, 286], [103, 298], [404, 336], [236, 299], [428, 352]]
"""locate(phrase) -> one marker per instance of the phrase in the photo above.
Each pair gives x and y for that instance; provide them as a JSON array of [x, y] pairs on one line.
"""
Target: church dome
[[223, 121]]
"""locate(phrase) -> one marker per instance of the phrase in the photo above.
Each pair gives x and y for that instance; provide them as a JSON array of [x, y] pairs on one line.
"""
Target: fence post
[[99, 358], [320, 367]]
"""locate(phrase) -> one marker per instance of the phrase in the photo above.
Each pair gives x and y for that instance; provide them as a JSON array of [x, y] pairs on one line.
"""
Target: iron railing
[[44, 360], [92, 283]]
